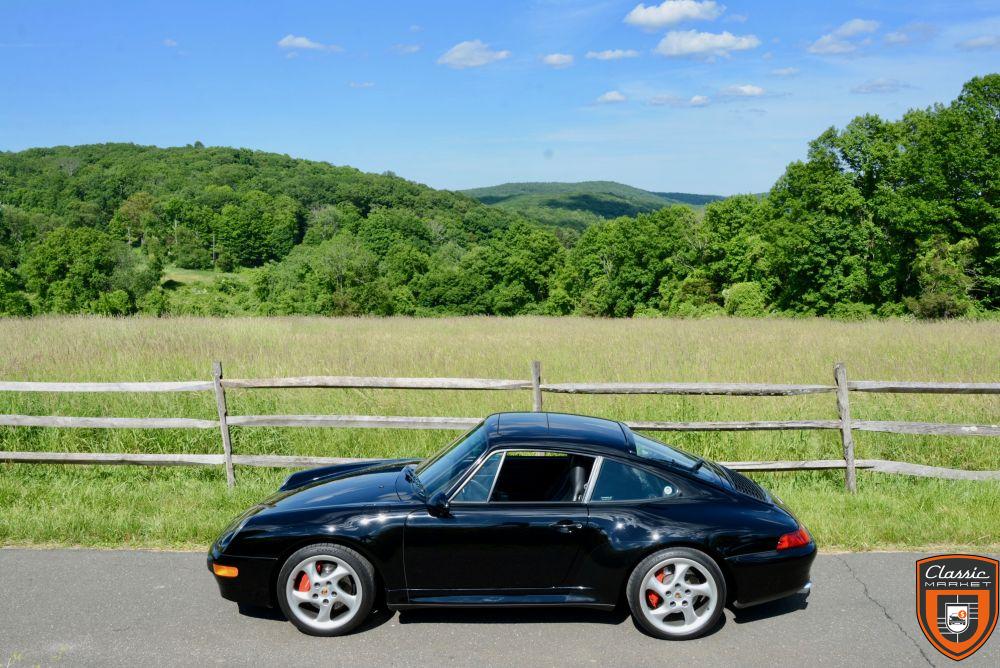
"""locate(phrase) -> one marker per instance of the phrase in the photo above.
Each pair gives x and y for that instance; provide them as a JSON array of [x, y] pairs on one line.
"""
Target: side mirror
[[438, 504]]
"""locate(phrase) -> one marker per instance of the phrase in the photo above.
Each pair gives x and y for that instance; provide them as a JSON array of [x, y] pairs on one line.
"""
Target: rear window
[[654, 450]]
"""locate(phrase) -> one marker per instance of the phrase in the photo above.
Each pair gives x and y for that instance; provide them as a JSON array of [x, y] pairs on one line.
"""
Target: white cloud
[[471, 53], [406, 49], [170, 43], [416, 28], [856, 27], [839, 41], [911, 33], [611, 97], [670, 12], [612, 54], [829, 44], [743, 90], [704, 44], [879, 86], [785, 71], [361, 84], [558, 59], [298, 42], [982, 42], [674, 101]]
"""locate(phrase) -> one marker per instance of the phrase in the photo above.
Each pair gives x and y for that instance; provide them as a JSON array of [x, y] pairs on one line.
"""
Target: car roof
[[579, 430]]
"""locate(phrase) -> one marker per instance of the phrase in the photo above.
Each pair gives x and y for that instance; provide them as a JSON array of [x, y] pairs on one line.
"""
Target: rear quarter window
[[621, 482]]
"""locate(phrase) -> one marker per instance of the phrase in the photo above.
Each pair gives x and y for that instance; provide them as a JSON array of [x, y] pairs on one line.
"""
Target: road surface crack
[[864, 587]]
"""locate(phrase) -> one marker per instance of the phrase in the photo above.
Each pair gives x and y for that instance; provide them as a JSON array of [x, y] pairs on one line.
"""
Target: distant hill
[[580, 204]]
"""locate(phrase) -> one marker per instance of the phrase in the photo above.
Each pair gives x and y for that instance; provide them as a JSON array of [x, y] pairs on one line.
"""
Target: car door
[[502, 538]]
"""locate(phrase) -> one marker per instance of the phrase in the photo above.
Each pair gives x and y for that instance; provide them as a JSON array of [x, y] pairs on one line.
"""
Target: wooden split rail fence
[[842, 387]]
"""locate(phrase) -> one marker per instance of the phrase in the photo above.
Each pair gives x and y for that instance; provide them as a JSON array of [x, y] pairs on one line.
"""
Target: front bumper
[[767, 576], [254, 585]]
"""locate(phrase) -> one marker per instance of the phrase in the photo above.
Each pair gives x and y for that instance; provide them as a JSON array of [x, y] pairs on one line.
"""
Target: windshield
[[440, 471], [648, 448]]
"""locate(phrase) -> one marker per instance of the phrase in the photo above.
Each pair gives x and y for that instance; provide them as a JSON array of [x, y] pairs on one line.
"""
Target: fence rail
[[842, 387]]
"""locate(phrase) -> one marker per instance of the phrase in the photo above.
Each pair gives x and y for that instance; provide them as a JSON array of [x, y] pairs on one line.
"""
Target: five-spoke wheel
[[677, 593], [326, 589]]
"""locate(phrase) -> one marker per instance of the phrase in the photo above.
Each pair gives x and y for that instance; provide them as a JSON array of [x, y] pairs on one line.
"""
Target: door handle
[[566, 526]]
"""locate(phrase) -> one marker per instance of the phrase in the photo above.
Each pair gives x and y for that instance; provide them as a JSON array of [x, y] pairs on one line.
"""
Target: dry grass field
[[156, 507]]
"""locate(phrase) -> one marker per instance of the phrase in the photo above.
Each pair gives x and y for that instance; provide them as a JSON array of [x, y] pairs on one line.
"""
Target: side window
[[620, 482], [542, 477], [477, 488]]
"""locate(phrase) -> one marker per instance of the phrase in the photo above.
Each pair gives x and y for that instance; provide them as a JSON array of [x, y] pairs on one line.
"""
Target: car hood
[[372, 483]]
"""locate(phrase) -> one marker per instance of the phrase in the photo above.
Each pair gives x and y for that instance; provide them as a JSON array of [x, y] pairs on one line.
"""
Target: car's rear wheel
[[677, 593], [326, 589]]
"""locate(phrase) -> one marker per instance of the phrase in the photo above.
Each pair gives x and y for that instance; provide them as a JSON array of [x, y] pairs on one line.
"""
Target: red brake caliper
[[651, 596], [304, 583]]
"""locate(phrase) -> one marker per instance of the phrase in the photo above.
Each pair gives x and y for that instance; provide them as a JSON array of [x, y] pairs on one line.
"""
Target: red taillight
[[797, 538]]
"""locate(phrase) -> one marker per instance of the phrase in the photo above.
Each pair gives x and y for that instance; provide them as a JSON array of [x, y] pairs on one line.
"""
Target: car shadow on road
[[782, 606], [512, 616], [258, 612], [378, 616]]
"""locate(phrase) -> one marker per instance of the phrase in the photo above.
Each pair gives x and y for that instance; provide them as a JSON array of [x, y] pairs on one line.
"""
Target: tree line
[[883, 218]]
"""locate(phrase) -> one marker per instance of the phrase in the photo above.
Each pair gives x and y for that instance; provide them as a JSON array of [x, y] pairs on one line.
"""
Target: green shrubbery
[[745, 300]]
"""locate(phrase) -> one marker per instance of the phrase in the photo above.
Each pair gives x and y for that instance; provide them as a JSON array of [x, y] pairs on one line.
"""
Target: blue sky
[[709, 97]]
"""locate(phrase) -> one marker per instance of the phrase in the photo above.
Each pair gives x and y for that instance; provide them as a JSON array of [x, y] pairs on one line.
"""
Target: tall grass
[[121, 505]]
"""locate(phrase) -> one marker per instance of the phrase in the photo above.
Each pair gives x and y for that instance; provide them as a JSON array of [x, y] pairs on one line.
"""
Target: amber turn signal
[[225, 571]]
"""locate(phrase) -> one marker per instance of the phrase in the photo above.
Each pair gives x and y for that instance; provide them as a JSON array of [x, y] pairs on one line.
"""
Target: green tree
[[943, 274], [258, 228], [70, 267], [618, 265], [13, 301], [822, 237], [734, 248]]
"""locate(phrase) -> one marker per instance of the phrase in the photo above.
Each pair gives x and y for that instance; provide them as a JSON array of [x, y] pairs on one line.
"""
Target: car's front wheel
[[677, 593], [326, 589]]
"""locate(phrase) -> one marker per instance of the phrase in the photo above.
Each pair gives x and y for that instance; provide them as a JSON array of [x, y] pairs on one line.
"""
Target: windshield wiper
[[697, 465]]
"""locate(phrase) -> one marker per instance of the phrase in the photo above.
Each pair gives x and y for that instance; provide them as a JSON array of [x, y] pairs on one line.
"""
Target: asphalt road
[[110, 608]]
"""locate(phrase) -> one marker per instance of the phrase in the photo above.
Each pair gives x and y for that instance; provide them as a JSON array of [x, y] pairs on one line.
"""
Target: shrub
[[12, 300], [745, 300], [116, 302], [851, 311]]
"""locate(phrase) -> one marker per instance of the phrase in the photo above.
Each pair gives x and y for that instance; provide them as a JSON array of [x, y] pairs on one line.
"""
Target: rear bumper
[[767, 576], [253, 584]]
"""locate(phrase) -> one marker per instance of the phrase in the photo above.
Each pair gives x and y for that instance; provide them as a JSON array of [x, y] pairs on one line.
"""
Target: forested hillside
[[578, 205], [882, 218]]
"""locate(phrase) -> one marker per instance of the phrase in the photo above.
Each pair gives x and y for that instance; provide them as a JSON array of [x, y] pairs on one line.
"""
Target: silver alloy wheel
[[679, 596], [323, 592]]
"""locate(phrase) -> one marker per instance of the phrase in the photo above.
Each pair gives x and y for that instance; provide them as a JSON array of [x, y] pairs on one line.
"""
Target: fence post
[[846, 438], [220, 404], [536, 385]]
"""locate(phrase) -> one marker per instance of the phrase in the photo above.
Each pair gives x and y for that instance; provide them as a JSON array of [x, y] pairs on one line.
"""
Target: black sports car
[[526, 509]]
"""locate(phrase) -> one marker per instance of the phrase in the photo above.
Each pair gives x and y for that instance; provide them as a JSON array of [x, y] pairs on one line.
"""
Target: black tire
[[635, 593], [365, 587]]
